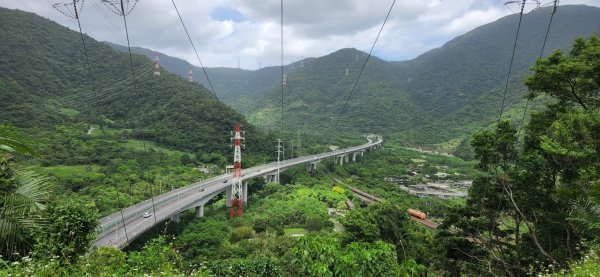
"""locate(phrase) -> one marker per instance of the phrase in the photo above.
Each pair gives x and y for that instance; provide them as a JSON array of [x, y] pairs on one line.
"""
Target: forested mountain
[[459, 86], [44, 81], [236, 87], [83, 148], [443, 94]]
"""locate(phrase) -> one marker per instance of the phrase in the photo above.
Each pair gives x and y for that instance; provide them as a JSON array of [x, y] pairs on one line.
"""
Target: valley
[[116, 163]]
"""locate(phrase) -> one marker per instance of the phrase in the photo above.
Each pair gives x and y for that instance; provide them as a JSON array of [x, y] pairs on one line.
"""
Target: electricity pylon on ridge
[[156, 67]]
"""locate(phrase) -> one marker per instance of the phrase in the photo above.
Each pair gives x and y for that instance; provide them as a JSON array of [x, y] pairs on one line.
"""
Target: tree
[[71, 230], [10, 142], [519, 210], [23, 195], [315, 255], [464, 150], [571, 78], [380, 221], [186, 159], [157, 257], [21, 213]]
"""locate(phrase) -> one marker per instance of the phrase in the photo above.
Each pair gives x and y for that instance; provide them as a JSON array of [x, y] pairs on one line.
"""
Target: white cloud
[[312, 27], [472, 19]]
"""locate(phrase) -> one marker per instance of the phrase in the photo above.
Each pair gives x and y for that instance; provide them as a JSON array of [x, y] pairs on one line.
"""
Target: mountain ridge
[[44, 74], [441, 95]]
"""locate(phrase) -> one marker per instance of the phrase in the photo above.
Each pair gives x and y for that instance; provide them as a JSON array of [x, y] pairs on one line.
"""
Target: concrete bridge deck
[[120, 228]]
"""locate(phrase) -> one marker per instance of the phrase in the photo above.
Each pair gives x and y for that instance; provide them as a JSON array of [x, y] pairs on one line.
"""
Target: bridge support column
[[362, 153], [271, 178], [311, 168], [228, 197], [245, 191], [175, 218], [340, 159], [200, 211], [346, 158], [354, 156]]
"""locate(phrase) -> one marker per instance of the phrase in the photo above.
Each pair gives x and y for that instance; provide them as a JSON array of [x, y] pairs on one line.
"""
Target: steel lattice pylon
[[237, 202]]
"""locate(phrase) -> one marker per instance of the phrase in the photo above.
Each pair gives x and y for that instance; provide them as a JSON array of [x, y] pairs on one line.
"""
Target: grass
[[139, 146], [69, 111], [64, 171], [294, 231], [418, 161], [111, 132]]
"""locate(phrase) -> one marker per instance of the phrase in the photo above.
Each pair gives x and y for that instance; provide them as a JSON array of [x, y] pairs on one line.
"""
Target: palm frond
[[32, 187], [9, 142], [585, 217], [20, 211]]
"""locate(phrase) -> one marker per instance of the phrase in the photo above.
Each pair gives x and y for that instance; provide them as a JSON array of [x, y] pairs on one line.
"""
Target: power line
[[282, 74], [194, 47], [89, 97], [110, 22], [112, 4], [279, 156], [555, 6], [512, 59], [362, 69], [75, 15]]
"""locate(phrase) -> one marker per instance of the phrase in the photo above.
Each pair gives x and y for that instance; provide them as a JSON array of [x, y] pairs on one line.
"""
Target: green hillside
[[44, 81], [444, 94], [238, 88], [463, 81], [440, 97], [316, 93]]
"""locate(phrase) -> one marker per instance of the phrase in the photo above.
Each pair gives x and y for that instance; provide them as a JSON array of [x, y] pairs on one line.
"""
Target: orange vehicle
[[416, 213]]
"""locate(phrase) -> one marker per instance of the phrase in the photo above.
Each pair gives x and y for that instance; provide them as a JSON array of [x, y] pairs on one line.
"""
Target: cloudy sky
[[225, 31]]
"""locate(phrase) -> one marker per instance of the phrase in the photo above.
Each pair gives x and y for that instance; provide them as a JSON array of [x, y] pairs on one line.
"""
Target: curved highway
[[112, 231]]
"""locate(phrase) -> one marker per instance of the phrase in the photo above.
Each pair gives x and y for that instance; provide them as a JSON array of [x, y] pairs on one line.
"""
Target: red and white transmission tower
[[237, 202], [156, 67], [190, 75]]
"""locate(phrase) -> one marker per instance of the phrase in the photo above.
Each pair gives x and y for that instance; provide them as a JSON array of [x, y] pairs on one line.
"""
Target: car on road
[[225, 181], [147, 215], [258, 170], [201, 189]]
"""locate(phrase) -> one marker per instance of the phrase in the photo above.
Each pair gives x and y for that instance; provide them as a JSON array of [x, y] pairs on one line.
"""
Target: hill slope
[[44, 79], [444, 94], [238, 88], [463, 81]]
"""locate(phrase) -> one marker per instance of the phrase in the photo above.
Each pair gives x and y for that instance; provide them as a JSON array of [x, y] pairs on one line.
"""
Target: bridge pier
[[362, 153], [346, 158], [200, 211], [228, 197], [311, 168], [271, 178], [245, 191], [353, 156], [339, 160], [175, 218]]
